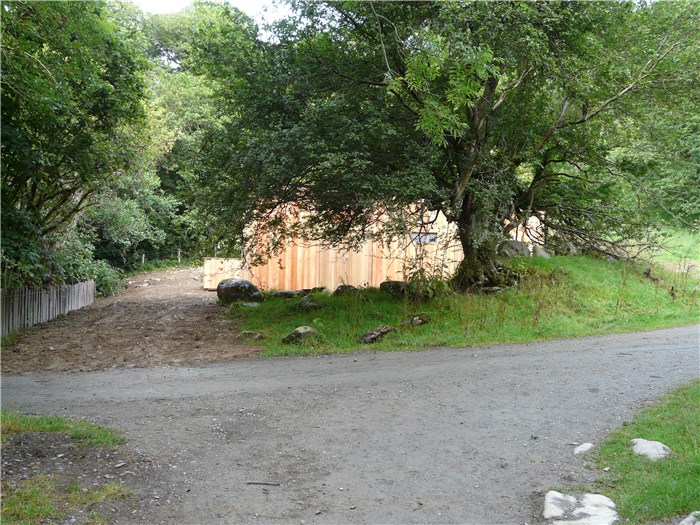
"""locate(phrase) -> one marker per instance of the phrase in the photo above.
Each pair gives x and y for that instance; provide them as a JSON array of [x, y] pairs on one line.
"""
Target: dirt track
[[446, 436], [162, 318]]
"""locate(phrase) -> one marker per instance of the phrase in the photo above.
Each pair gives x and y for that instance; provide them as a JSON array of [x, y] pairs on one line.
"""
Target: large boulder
[[514, 249], [230, 290], [396, 288], [538, 251]]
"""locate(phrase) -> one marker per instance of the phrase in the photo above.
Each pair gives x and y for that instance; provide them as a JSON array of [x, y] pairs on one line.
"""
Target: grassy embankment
[[46, 498], [560, 297], [648, 491]]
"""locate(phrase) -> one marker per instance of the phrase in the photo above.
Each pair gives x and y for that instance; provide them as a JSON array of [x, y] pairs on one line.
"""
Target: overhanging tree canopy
[[488, 112]]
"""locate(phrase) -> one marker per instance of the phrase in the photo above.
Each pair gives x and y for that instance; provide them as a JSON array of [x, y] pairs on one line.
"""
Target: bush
[[108, 280]]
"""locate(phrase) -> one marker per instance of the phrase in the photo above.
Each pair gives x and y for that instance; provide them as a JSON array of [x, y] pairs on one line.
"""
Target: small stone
[[300, 333], [375, 335], [345, 289], [582, 449], [120, 464], [653, 450], [52, 348], [246, 334], [589, 509], [417, 320]]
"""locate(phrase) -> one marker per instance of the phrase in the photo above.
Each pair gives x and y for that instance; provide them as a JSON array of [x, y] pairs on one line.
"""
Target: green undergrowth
[[12, 422], [649, 491], [560, 297]]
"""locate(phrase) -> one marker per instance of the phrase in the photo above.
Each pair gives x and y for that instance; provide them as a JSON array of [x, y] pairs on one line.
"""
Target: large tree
[[358, 112], [72, 86]]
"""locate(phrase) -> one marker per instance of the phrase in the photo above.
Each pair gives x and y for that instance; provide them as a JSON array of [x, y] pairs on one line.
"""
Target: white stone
[[583, 448], [589, 509], [654, 450], [692, 519], [556, 504]]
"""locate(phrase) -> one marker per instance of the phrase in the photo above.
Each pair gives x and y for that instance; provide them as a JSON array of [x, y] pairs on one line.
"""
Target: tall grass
[[560, 297]]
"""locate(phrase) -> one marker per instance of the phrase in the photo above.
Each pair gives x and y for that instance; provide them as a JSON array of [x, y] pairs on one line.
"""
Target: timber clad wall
[[23, 307], [433, 248], [309, 266]]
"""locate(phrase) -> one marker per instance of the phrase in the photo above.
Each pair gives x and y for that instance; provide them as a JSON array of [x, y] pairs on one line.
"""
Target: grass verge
[[561, 297], [45, 498], [40, 499], [646, 491], [12, 422]]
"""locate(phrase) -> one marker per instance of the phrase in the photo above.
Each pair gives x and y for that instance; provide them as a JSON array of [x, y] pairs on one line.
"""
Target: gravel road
[[472, 435]]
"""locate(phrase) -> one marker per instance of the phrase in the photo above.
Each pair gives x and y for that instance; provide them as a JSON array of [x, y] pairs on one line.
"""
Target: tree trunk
[[480, 269]]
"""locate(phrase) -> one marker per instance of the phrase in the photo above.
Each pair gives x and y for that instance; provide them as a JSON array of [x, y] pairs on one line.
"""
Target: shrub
[[108, 280]]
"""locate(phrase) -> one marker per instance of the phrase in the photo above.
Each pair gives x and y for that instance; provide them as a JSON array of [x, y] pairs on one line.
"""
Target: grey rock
[[653, 450], [307, 303], [582, 449], [588, 509], [417, 319], [345, 289], [251, 305], [538, 251], [246, 334], [375, 335], [396, 288], [514, 249], [288, 294], [230, 290], [692, 519], [299, 334]]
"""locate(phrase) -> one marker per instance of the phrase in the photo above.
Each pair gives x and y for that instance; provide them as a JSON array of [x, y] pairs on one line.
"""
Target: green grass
[[679, 246], [561, 297], [12, 422], [646, 491], [41, 499]]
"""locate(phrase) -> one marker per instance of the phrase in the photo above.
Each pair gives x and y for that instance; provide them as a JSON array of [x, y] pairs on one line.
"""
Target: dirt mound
[[161, 318]]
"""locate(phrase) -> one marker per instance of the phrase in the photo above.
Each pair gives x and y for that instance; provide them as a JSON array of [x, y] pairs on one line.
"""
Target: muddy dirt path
[[161, 318], [473, 436]]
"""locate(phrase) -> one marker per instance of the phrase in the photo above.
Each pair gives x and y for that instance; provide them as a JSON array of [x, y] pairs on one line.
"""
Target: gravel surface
[[474, 435]]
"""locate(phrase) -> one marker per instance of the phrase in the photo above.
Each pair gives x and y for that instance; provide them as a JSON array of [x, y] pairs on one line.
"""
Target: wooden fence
[[302, 265], [310, 265], [23, 307]]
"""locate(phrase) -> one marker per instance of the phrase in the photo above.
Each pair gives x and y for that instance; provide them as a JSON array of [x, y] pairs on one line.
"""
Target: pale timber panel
[[27, 306]]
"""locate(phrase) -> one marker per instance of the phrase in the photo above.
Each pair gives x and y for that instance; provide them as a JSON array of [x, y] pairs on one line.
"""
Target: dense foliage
[[71, 90], [129, 136]]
